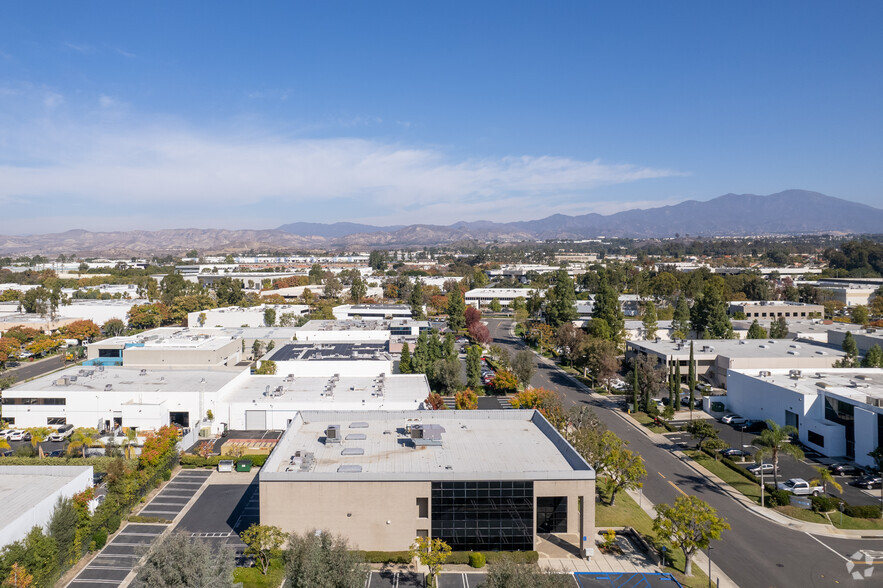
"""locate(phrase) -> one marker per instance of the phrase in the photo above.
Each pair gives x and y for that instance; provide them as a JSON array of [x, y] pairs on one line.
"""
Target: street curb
[[744, 501]]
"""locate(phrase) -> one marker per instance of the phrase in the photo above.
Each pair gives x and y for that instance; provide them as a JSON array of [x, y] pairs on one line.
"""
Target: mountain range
[[785, 213]]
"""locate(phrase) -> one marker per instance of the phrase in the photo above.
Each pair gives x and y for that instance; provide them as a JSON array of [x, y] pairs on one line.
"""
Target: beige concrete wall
[[306, 506], [153, 356], [573, 490]]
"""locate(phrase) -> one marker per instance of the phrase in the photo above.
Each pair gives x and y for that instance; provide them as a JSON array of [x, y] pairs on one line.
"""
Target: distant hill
[[333, 231], [786, 213]]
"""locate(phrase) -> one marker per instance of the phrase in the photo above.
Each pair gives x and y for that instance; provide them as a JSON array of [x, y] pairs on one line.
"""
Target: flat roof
[[171, 338], [392, 392], [128, 379], [474, 445], [859, 384], [707, 349], [23, 487], [332, 351], [497, 292], [359, 325], [770, 303]]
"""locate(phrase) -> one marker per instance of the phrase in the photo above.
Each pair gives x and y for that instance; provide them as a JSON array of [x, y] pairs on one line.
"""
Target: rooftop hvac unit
[[794, 374], [101, 368], [332, 434], [143, 373], [765, 374], [73, 379], [108, 387], [62, 381]]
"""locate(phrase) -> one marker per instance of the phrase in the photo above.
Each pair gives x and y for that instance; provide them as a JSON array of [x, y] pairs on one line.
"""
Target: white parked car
[[5, 433], [765, 468], [16, 436], [62, 433]]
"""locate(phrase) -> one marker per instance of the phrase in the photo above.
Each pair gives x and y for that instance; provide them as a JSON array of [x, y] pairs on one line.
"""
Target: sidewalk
[[767, 513]]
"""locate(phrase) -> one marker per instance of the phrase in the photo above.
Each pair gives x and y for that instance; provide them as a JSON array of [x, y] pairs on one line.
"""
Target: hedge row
[[868, 511], [732, 465], [99, 464], [210, 462], [456, 557]]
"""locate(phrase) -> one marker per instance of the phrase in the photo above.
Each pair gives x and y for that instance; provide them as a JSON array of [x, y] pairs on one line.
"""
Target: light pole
[[710, 583]]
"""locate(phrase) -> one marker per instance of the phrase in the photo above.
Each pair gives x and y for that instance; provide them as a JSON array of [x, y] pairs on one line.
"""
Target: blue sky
[[124, 115]]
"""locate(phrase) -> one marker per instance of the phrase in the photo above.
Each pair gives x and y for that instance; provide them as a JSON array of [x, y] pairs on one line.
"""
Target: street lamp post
[[710, 583]]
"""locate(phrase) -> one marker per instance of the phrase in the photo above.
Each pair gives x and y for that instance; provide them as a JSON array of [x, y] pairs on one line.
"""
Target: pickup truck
[[800, 487]]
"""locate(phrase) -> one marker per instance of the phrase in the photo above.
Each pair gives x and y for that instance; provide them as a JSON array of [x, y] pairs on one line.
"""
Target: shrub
[[167, 475], [113, 523], [867, 511], [778, 497], [381, 557], [477, 560], [824, 503], [518, 557], [100, 538]]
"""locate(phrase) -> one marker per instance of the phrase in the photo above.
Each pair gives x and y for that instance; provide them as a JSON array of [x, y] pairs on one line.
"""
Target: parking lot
[[111, 566], [228, 505], [788, 466], [393, 579]]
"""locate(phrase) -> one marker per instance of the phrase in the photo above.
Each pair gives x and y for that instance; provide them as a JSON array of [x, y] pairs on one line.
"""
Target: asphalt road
[[755, 552], [29, 370]]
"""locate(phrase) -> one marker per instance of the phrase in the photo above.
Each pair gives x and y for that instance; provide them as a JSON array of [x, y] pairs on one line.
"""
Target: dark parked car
[[753, 426], [869, 482], [56, 453], [731, 453], [845, 469]]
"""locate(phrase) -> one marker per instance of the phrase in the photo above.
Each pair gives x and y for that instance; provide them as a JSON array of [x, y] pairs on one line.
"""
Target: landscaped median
[[824, 512]]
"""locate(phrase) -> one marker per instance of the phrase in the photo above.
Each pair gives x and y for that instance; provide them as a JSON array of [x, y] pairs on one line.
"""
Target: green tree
[[332, 286], [63, 529], [269, 317], [677, 385], [624, 470], [873, 358], [690, 525], [456, 310], [358, 290], [691, 380], [377, 260], [651, 377], [709, 315], [775, 440], [405, 361], [494, 305], [649, 320], [680, 321], [172, 286], [416, 299], [824, 478], [779, 328], [636, 387], [320, 560], [524, 366], [534, 303], [268, 368], [850, 348], [316, 274], [82, 439], [446, 376], [607, 308], [755, 331], [701, 430], [261, 541], [180, 560], [257, 348], [431, 553], [859, 315], [228, 291], [473, 366]]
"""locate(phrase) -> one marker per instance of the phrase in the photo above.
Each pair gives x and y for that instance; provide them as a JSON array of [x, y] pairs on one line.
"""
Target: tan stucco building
[[480, 480]]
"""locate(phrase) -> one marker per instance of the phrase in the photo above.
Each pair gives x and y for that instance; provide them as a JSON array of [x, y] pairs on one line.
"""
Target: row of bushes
[[472, 558], [209, 462], [99, 464], [732, 465]]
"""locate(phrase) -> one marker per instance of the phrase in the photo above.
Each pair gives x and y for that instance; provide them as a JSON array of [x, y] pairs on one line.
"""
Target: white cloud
[[165, 164]]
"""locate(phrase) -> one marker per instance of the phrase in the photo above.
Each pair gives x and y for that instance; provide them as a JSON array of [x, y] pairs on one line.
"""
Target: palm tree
[[826, 478], [82, 439], [38, 435], [129, 442], [774, 440], [4, 445]]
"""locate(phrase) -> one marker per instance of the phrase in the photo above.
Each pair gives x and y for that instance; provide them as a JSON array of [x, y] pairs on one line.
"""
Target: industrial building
[[838, 413], [29, 495], [168, 346], [772, 309], [865, 338], [714, 357], [237, 316], [324, 359], [369, 312], [479, 480], [482, 297]]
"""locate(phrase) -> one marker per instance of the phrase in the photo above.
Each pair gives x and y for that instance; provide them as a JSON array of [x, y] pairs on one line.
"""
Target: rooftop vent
[[356, 437], [359, 425], [349, 469], [108, 387], [427, 434], [143, 373], [353, 451], [332, 434]]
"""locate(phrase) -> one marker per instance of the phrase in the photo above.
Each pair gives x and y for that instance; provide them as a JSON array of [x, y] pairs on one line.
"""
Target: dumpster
[[225, 465], [243, 465]]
